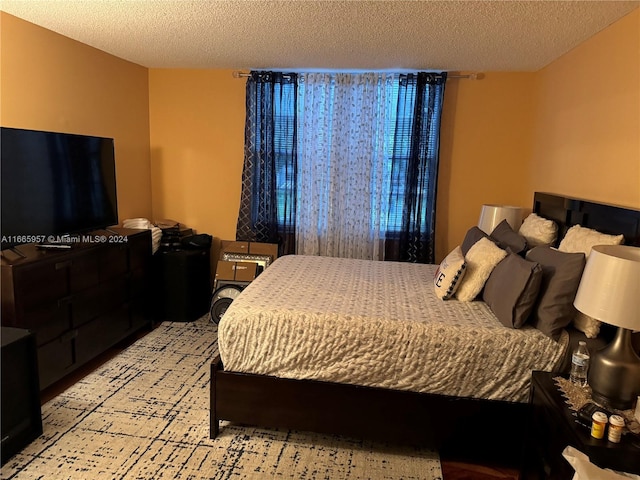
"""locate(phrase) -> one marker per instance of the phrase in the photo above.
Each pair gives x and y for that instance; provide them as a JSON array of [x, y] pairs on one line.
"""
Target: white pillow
[[449, 274], [586, 324], [538, 231], [582, 239], [481, 259]]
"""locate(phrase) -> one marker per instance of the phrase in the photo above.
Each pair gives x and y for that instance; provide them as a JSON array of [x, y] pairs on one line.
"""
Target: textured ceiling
[[322, 34]]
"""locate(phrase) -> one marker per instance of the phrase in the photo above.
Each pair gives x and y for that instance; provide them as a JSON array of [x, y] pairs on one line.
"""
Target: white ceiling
[[449, 35]]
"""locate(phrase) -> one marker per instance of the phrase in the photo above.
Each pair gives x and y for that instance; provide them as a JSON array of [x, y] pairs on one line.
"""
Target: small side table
[[182, 284], [553, 426], [21, 414]]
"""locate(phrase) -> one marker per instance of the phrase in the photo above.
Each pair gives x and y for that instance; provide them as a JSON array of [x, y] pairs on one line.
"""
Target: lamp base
[[614, 373]]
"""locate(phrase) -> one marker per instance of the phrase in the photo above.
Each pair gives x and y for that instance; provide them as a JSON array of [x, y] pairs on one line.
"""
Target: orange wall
[[197, 148], [485, 151], [587, 135], [50, 82]]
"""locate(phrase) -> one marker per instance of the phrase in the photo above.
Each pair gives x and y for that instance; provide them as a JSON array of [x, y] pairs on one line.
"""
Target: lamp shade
[[609, 290], [492, 215]]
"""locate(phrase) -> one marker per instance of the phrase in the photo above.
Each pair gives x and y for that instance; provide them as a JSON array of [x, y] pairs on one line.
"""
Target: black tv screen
[[55, 184]]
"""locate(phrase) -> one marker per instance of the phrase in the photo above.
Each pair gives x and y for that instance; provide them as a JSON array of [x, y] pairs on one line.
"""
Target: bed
[[298, 356]]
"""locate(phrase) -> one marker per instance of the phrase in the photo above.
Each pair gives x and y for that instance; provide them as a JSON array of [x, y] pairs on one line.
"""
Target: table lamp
[[492, 215], [609, 291]]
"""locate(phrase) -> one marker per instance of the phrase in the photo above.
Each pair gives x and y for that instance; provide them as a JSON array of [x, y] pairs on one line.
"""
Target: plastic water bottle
[[579, 365]]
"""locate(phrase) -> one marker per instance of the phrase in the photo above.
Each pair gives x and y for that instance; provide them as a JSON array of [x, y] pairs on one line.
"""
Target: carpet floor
[[145, 415]]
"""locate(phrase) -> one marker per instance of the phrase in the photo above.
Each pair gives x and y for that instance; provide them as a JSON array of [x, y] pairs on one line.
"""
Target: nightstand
[[21, 415], [552, 426], [182, 289]]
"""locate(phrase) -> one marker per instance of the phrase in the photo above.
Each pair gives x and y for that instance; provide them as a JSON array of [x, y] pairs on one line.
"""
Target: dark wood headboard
[[605, 218]]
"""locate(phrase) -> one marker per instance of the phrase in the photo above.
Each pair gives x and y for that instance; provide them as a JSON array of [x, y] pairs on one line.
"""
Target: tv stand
[[79, 301]]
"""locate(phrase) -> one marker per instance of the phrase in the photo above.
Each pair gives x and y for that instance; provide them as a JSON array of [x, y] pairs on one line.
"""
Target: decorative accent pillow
[[449, 274], [473, 235], [561, 273], [538, 231], [586, 324], [481, 259], [512, 289], [582, 239], [506, 238]]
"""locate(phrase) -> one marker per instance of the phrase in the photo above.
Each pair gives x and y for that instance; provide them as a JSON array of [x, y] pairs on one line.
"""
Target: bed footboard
[[459, 428]]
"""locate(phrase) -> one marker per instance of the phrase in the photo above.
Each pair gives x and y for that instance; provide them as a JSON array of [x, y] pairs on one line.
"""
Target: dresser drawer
[[41, 284], [139, 251], [55, 359], [102, 333], [46, 283], [114, 261], [83, 273], [99, 300], [48, 322]]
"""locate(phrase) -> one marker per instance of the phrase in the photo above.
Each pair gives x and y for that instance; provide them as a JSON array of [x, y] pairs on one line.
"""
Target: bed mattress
[[377, 324]]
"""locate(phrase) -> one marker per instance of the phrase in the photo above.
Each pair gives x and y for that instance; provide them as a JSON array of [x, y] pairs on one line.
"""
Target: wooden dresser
[[78, 302]]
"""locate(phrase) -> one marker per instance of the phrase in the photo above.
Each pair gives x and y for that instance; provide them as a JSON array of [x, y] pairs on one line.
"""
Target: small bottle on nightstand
[[616, 425], [579, 365], [599, 425]]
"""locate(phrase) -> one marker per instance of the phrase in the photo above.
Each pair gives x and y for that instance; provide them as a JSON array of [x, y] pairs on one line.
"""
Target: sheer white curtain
[[344, 122]]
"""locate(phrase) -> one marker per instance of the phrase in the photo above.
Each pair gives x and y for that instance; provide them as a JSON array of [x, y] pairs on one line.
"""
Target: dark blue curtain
[[267, 208], [415, 168]]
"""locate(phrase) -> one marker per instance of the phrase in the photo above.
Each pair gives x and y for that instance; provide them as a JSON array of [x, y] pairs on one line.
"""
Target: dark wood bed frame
[[459, 428]]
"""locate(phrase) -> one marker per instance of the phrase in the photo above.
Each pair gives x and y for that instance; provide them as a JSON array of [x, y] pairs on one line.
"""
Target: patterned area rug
[[145, 415]]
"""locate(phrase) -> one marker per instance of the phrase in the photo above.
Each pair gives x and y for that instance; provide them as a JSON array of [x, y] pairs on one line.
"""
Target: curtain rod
[[470, 76]]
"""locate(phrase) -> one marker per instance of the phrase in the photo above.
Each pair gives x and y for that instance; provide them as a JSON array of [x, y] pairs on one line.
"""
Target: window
[[353, 160]]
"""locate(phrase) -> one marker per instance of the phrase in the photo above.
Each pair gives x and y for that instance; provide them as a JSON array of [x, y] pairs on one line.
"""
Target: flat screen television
[[54, 184]]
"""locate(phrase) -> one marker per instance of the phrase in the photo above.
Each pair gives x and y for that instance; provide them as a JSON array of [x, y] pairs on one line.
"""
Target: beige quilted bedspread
[[377, 324]]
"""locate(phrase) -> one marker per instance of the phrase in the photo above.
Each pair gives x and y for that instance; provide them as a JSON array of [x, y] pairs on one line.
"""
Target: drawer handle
[[61, 265], [65, 337], [64, 301]]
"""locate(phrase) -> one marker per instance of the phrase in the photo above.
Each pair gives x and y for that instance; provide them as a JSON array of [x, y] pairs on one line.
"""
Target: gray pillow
[[561, 274], [506, 238], [473, 235], [512, 289]]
